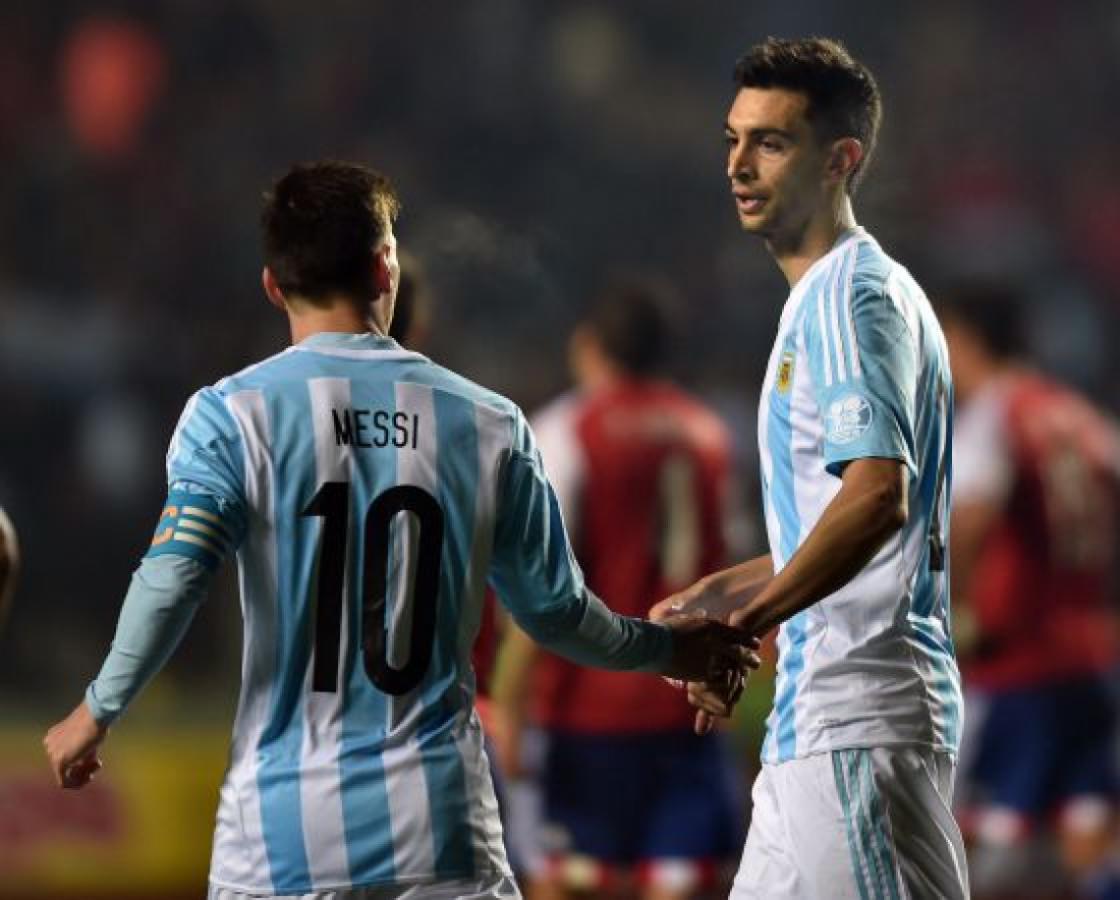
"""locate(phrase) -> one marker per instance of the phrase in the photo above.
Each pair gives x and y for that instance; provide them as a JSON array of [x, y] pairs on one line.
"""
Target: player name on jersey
[[374, 428]]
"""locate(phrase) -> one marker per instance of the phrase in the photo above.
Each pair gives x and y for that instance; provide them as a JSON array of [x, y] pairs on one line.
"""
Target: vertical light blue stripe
[[784, 503], [880, 837], [365, 800], [849, 823], [279, 751], [457, 437]]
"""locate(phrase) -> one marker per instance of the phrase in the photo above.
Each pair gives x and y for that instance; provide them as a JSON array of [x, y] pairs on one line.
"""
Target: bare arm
[[870, 507]]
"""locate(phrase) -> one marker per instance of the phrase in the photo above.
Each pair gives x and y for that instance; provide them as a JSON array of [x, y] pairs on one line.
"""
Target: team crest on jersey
[[848, 419], [785, 372]]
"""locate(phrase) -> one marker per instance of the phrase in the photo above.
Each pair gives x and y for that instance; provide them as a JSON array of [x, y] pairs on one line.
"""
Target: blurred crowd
[[537, 148]]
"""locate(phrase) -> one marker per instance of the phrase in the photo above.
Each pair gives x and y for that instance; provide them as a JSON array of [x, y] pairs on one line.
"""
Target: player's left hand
[[71, 748]]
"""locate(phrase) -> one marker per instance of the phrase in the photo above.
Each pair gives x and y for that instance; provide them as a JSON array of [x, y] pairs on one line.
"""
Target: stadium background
[[537, 147]]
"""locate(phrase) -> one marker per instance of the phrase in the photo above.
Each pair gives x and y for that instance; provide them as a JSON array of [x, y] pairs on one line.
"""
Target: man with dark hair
[[1035, 525], [369, 495], [642, 472], [853, 799]]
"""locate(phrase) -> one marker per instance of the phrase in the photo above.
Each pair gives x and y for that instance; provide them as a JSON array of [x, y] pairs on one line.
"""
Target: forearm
[[588, 633], [849, 533], [160, 603]]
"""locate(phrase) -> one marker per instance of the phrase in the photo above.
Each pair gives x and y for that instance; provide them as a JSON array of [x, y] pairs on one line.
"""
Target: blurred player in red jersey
[[1034, 547], [9, 563], [633, 801]]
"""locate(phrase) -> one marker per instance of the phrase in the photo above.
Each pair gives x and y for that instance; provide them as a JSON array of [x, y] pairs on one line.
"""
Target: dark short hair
[[844, 100], [991, 310], [630, 318], [320, 224]]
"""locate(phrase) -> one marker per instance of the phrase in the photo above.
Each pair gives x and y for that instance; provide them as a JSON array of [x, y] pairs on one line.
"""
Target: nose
[[739, 167]]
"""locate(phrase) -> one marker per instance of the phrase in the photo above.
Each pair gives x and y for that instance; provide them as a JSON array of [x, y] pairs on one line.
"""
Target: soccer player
[[641, 470], [853, 797], [9, 563], [1035, 524], [369, 495]]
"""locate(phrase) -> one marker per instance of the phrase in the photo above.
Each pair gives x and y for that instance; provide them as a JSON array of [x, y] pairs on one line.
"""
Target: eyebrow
[[760, 132]]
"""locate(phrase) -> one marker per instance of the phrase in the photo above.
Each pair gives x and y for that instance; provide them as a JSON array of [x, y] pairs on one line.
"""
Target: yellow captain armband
[[193, 525]]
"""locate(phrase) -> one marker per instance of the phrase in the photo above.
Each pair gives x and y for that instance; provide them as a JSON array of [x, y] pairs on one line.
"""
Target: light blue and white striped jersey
[[349, 466], [860, 369]]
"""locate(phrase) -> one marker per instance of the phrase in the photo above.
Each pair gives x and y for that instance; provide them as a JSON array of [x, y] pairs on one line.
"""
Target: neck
[[796, 252], [344, 318], [339, 315]]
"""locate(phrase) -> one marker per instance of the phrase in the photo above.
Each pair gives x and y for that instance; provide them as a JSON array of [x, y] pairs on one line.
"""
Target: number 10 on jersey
[[332, 503]]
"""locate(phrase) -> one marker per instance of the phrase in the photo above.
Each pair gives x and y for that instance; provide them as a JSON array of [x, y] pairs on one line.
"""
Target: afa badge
[[785, 372], [848, 419]]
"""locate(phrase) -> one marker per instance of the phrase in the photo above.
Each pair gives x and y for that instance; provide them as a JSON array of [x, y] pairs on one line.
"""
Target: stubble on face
[[773, 162]]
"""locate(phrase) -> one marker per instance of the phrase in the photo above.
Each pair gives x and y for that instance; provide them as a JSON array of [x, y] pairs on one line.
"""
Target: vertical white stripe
[[823, 328], [405, 531], [410, 808], [240, 856], [176, 437], [834, 300], [494, 437], [324, 831], [849, 319]]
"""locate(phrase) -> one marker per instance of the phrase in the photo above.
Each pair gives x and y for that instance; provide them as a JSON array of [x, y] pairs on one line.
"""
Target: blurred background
[[538, 147]]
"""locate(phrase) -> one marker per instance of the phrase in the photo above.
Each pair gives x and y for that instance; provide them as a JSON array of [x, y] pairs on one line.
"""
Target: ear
[[843, 158], [272, 289], [382, 273]]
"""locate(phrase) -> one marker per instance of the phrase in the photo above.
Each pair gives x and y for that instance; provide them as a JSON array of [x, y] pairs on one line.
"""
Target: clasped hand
[[716, 695]]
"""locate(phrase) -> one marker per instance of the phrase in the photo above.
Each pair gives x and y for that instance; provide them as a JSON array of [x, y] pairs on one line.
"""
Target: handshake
[[712, 656]]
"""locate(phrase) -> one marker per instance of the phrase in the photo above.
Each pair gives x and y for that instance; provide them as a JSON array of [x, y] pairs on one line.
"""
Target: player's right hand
[[71, 748], [706, 650]]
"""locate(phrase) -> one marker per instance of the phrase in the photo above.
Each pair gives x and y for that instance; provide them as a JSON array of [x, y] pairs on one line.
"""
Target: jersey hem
[[935, 746], [267, 891]]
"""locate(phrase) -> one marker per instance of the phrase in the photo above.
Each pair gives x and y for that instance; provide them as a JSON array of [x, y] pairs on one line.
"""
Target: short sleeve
[[206, 450], [865, 376]]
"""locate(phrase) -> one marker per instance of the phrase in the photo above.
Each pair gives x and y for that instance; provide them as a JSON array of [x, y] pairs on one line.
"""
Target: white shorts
[[496, 888], [872, 824]]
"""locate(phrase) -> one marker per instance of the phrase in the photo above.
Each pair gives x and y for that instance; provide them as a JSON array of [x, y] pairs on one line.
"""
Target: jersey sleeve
[[864, 363], [535, 573], [207, 449], [158, 608], [205, 514]]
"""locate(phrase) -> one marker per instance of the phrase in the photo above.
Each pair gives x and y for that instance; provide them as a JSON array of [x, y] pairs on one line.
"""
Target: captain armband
[[195, 526]]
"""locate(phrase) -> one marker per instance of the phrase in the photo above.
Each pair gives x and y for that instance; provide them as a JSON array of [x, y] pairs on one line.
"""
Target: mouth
[[748, 204]]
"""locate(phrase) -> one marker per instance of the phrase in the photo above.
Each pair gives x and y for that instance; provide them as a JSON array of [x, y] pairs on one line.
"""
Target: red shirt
[[1041, 589], [641, 470]]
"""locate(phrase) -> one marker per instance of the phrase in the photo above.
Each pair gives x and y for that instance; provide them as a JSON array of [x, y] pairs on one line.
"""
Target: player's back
[[369, 484], [1045, 572], [648, 512]]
